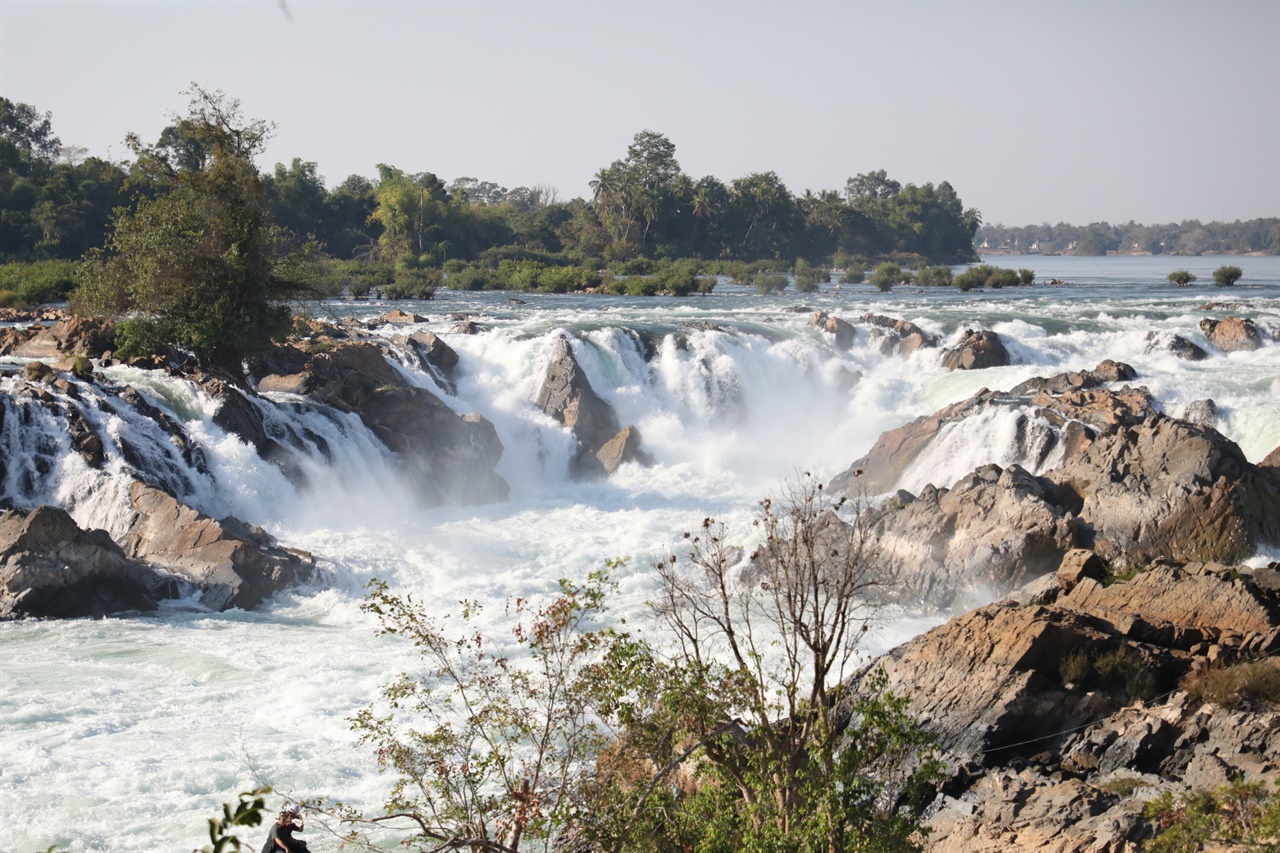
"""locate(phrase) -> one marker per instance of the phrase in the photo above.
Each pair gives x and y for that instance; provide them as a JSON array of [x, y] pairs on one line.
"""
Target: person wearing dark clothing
[[280, 839]]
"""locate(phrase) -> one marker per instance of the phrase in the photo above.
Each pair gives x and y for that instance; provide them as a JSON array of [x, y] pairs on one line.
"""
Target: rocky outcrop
[[447, 457], [1057, 720], [432, 356], [72, 336], [232, 563], [568, 397], [976, 350], [50, 568], [1176, 344], [956, 547], [1123, 478], [842, 330], [897, 337], [1232, 334]]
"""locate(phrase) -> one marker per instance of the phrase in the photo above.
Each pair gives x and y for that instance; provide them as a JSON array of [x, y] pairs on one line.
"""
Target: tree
[[1226, 276], [1181, 278], [27, 142], [196, 266], [571, 736]]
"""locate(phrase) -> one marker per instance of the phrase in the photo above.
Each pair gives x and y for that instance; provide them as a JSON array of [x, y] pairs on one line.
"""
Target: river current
[[125, 734]]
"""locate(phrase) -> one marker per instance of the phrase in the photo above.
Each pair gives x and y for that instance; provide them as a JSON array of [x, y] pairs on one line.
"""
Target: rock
[[975, 351], [87, 336], [1078, 564], [897, 337], [844, 332], [396, 317], [567, 396], [50, 568], [623, 447], [432, 356], [1106, 372], [1232, 334], [233, 564], [447, 457], [1272, 459], [1202, 412], [1176, 344], [954, 547]]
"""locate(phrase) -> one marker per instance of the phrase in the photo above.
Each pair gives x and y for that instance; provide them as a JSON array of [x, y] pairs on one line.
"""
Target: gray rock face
[[232, 563], [1232, 334], [1133, 484], [897, 337], [954, 547], [447, 457], [842, 330], [50, 568], [1176, 344], [975, 351], [568, 397]]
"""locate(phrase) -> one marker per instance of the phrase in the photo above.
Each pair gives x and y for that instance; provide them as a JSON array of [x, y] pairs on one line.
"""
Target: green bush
[[473, 277], [939, 276], [1227, 275], [24, 285], [1181, 278], [854, 274], [679, 278], [635, 266], [886, 275], [1257, 681], [1026, 277], [767, 283], [412, 283], [1241, 815], [1003, 277], [807, 278]]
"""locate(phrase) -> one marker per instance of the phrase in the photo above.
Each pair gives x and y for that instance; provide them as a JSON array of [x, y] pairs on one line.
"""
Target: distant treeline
[[57, 203], [1190, 237]]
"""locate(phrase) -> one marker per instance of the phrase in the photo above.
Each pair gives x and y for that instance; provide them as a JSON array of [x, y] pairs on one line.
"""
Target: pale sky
[[1034, 111]]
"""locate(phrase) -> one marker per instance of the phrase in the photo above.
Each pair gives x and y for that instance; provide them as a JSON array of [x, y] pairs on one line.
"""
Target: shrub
[[679, 278], [1239, 815], [1257, 681], [635, 266], [767, 283], [1074, 667], [854, 274], [886, 275], [1026, 277], [939, 276], [412, 283], [472, 277], [1227, 275], [1181, 278], [1002, 277]]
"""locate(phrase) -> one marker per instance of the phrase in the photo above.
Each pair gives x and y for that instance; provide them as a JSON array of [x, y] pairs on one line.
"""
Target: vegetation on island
[[1190, 237]]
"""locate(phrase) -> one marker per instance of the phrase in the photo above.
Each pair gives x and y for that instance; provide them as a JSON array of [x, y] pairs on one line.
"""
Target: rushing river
[[125, 734]]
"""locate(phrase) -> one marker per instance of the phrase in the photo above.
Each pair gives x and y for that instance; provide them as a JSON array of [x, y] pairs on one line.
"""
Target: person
[[281, 836]]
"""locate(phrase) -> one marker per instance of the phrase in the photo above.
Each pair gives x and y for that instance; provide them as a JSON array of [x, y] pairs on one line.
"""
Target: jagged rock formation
[[568, 397], [447, 457], [51, 568], [1060, 717], [1176, 344], [885, 334], [1232, 334], [976, 350], [1120, 477]]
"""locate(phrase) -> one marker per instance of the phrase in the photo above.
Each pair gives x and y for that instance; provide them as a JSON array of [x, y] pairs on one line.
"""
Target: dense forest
[[55, 202], [1190, 237]]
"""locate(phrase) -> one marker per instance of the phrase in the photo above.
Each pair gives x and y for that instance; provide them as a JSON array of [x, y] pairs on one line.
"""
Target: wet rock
[[623, 447], [897, 337], [1201, 412], [843, 331], [50, 568], [233, 564], [1232, 334], [396, 317], [976, 350], [1176, 344]]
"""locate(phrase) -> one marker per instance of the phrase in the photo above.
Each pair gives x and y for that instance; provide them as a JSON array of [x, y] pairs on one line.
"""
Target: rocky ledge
[[1063, 710]]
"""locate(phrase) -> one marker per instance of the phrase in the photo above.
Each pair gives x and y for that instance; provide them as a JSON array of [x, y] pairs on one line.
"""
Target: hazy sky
[[1034, 111]]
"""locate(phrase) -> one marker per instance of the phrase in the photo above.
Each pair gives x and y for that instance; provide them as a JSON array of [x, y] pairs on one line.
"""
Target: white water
[[125, 734]]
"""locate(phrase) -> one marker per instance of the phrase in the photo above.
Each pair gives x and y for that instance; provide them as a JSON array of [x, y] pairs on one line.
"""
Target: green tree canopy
[[196, 266]]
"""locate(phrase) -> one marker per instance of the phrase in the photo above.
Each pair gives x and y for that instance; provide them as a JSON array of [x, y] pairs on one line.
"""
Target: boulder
[[623, 447], [567, 396], [1231, 334], [955, 547], [234, 564], [843, 331], [430, 354], [1176, 344], [396, 317], [87, 336], [976, 350], [50, 568], [447, 457], [1202, 413], [897, 337], [1078, 564], [1272, 459]]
